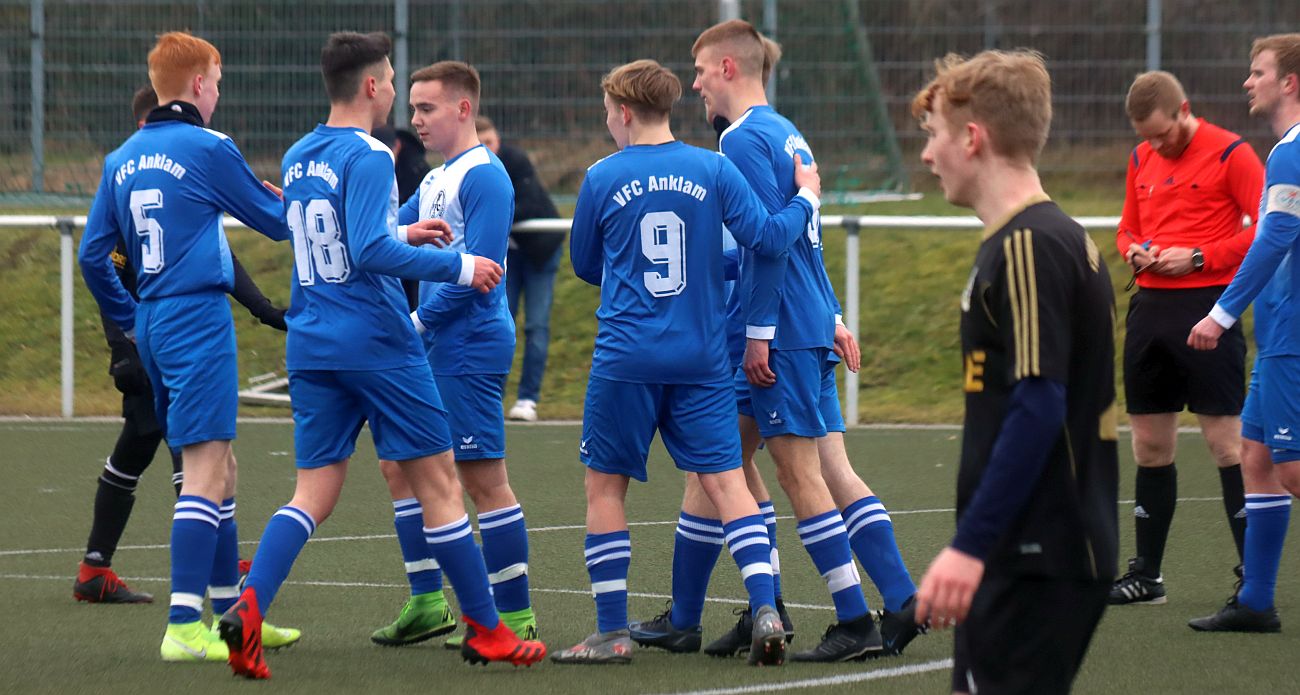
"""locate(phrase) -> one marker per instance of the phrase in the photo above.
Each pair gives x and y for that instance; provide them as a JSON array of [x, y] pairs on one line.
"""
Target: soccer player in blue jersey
[[1270, 456], [162, 195], [648, 231], [353, 356], [787, 299], [470, 339]]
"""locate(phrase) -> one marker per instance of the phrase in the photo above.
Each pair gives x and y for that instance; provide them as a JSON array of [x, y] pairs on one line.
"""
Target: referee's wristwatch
[[1198, 260]]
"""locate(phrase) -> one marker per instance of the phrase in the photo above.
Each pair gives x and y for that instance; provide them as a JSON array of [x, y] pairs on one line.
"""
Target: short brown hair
[[771, 56], [741, 41], [455, 74], [1008, 92], [644, 86], [144, 101], [176, 59], [346, 56], [1154, 91], [1285, 47]]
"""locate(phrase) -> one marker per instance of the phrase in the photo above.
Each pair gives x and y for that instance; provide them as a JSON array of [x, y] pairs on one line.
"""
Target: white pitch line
[[540, 529], [829, 681]]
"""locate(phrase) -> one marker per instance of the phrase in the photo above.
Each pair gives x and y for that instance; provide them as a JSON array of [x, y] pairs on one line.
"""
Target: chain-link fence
[[68, 69]]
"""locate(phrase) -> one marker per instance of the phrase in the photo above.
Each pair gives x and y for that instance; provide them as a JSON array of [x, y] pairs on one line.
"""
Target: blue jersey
[[348, 311], [788, 299], [648, 230], [1269, 270], [162, 194], [467, 331]]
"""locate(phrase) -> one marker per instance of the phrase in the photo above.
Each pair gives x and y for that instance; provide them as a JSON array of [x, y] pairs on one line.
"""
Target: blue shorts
[[828, 403], [1271, 415], [793, 404], [187, 346], [402, 405], [697, 423], [478, 425]]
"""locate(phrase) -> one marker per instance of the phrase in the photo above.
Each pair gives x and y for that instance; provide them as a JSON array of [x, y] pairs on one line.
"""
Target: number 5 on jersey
[[318, 248]]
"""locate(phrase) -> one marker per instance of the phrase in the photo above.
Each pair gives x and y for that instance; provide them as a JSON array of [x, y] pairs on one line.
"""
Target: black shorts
[[1026, 634], [1162, 374]]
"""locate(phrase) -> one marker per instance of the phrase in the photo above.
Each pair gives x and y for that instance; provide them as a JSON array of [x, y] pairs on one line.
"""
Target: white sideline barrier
[[261, 391]]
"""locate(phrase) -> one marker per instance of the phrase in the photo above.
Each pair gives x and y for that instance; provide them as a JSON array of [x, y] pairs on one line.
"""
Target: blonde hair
[[1154, 91], [771, 56], [176, 59], [1285, 47], [453, 74], [644, 86], [740, 40], [1007, 92]]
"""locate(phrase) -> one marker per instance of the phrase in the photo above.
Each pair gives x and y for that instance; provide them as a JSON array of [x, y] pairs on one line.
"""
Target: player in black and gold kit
[[1028, 571]]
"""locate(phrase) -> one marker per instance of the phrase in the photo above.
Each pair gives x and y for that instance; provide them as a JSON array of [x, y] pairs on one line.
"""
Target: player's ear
[[976, 138], [196, 84], [371, 85], [728, 67]]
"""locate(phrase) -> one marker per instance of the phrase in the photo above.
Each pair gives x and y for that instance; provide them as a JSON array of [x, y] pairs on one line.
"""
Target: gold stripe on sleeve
[[1031, 278], [1009, 251]]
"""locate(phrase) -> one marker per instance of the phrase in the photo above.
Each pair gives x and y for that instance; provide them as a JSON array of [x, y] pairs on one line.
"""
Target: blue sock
[[827, 542], [871, 534], [1267, 518], [696, 546], [194, 540], [750, 548], [608, 557], [223, 586], [285, 535], [423, 573], [505, 552], [769, 519], [454, 548]]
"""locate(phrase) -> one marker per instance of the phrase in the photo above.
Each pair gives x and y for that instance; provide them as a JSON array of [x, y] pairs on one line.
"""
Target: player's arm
[[375, 248], [415, 231], [1245, 178], [247, 293], [748, 219], [97, 244], [488, 204], [1129, 238], [1276, 234], [761, 279], [1032, 305], [586, 250], [237, 190]]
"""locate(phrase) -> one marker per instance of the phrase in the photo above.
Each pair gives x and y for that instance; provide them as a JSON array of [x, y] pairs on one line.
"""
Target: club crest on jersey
[[439, 203]]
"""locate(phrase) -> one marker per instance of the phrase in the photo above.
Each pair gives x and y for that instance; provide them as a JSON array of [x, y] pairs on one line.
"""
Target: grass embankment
[[910, 281]]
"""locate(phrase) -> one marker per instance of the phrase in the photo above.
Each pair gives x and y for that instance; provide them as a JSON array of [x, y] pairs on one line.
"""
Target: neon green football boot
[[192, 642], [272, 637], [424, 616], [522, 622]]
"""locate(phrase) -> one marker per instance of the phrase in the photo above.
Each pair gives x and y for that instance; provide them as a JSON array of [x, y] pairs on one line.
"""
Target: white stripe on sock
[[848, 520], [607, 558], [805, 528], [842, 577], [194, 601], [194, 516], [739, 545], [711, 540], [608, 586], [597, 549], [432, 536], [108, 466], [504, 511], [519, 569], [498, 521], [218, 592], [754, 568], [812, 540], [305, 521], [424, 565], [715, 529]]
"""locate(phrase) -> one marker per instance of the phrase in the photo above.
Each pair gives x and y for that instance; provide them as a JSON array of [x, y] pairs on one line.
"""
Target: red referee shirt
[[1195, 201]]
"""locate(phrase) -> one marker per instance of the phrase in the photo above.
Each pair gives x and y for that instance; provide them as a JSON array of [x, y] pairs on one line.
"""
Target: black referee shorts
[[1026, 634], [1162, 374]]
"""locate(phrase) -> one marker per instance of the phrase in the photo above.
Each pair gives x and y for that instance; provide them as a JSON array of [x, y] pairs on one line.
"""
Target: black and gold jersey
[[1039, 303]]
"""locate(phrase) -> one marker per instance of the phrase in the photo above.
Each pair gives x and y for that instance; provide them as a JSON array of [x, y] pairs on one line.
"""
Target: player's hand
[[757, 371], [1205, 334], [947, 588], [846, 346], [279, 192], [128, 373], [806, 176], [1139, 257], [436, 232], [1173, 261], [487, 274]]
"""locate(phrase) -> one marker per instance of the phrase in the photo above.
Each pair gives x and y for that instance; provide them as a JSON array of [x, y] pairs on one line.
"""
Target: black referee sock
[[1234, 504], [1157, 493], [113, 504]]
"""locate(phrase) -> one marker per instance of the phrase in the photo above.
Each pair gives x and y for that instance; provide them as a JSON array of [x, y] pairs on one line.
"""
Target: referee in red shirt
[[1190, 184]]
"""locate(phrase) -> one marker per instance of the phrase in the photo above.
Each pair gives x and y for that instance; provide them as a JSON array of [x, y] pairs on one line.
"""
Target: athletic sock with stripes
[[747, 540], [769, 520], [454, 548], [608, 557], [223, 586], [827, 541], [285, 535], [423, 573], [194, 539], [871, 534], [696, 547], [1267, 518], [505, 553]]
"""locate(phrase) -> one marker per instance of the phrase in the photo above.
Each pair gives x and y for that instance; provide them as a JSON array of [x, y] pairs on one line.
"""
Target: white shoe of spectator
[[525, 410]]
